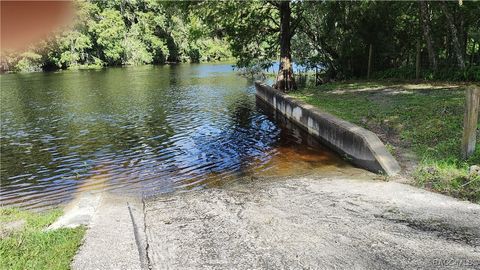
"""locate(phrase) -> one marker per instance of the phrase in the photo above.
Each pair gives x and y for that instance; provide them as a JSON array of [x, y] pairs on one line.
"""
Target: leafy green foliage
[[449, 178], [126, 33], [328, 35], [250, 27], [110, 32], [336, 36], [30, 61], [74, 46]]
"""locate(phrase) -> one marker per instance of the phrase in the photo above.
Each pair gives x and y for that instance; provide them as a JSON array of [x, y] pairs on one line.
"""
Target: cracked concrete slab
[[312, 223], [115, 238]]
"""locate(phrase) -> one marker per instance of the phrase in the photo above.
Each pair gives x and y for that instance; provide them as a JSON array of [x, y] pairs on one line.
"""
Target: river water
[[141, 130]]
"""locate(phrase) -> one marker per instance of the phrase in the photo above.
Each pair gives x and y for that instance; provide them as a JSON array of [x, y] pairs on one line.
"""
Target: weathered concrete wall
[[362, 147]]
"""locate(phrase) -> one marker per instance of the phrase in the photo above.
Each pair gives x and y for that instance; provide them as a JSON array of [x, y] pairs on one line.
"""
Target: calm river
[[140, 130]]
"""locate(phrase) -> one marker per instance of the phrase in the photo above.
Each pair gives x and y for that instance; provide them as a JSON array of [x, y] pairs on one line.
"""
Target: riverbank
[[24, 243], [421, 124]]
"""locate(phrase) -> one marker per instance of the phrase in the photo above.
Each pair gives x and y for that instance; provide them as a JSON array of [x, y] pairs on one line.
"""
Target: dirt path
[[313, 223]]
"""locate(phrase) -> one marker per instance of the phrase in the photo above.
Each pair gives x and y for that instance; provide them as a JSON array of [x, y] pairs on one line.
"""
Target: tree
[[122, 32], [336, 37], [285, 79], [110, 33], [454, 33], [425, 16], [74, 45], [257, 32], [333, 37]]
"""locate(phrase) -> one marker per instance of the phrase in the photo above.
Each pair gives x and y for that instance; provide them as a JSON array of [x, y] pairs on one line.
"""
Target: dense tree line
[[443, 36], [344, 39], [340, 37], [124, 32]]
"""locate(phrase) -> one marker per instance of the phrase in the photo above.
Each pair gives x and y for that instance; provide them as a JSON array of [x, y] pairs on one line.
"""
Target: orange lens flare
[[25, 22]]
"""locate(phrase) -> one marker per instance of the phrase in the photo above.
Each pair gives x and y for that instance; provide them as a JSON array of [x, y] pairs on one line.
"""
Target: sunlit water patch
[[142, 130]]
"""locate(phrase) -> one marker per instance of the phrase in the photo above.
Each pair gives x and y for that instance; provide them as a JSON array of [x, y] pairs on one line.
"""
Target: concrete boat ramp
[[311, 222]]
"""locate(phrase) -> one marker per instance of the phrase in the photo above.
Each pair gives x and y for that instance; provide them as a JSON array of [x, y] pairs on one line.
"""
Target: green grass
[[30, 247], [425, 119]]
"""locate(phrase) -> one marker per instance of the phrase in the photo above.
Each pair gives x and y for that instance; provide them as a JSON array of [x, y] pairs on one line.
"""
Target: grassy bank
[[424, 119], [25, 245]]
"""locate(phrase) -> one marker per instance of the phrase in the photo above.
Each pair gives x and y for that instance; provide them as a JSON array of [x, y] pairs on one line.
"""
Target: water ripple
[[144, 130]]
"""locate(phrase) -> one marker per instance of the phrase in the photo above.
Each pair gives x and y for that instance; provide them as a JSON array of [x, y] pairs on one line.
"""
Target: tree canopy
[[338, 34], [335, 37], [122, 32]]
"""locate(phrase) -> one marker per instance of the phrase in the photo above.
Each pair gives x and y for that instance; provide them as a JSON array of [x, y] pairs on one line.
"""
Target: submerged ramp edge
[[360, 146]]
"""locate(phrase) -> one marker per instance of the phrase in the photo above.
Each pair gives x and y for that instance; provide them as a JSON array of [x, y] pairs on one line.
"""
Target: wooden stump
[[470, 120]]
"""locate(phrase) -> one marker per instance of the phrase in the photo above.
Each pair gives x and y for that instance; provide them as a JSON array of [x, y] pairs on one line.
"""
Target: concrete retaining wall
[[362, 147]]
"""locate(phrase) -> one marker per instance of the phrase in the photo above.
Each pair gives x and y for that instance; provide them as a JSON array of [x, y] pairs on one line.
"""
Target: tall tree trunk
[[285, 78], [424, 15], [455, 42], [462, 31], [370, 56], [417, 61], [478, 54], [472, 55]]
